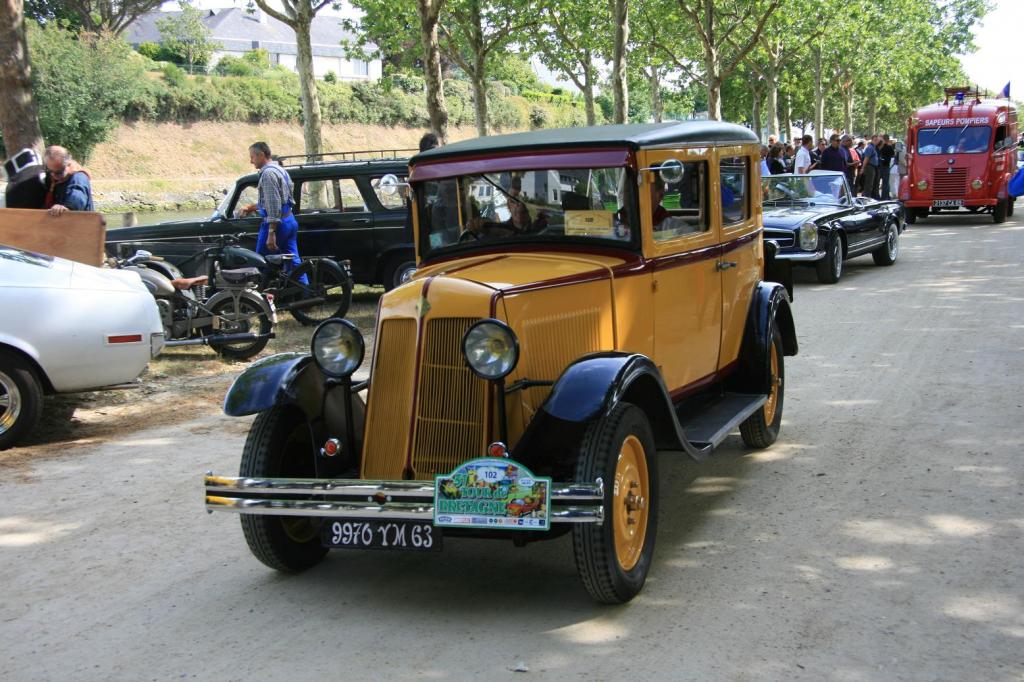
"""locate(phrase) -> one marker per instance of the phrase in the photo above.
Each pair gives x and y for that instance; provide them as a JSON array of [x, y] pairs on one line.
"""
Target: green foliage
[[515, 70], [150, 50], [185, 35], [329, 77], [174, 75], [82, 85], [539, 117]]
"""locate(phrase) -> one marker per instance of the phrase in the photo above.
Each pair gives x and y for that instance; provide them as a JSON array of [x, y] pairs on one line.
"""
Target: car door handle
[[725, 265], [361, 221]]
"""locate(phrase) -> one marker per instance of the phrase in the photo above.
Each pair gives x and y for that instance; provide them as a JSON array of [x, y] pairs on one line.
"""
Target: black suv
[[342, 211]]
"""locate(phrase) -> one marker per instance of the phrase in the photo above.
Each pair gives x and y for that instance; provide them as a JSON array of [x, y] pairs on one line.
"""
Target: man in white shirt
[[802, 162]]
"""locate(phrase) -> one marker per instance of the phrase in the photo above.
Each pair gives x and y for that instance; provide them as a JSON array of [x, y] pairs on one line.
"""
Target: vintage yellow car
[[584, 299]]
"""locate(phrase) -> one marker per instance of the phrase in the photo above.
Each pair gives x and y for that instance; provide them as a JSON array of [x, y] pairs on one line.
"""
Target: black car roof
[[634, 136], [331, 169]]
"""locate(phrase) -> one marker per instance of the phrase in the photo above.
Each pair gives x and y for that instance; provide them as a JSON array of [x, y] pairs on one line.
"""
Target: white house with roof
[[238, 31]]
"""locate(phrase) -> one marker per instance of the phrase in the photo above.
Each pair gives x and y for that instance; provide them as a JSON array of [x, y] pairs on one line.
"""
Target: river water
[[153, 217]]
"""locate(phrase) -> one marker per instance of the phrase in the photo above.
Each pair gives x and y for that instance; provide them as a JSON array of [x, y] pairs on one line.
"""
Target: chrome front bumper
[[358, 499], [803, 256]]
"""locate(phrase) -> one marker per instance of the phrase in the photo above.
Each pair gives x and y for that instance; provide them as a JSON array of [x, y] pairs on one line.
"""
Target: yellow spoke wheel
[[761, 428], [630, 497], [773, 397]]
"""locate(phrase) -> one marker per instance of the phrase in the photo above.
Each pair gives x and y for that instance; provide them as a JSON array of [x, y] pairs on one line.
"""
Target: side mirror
[[671, 171], [390, 183]]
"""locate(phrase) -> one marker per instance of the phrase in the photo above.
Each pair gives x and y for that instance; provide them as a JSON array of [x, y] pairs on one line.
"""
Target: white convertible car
[[67, 327]]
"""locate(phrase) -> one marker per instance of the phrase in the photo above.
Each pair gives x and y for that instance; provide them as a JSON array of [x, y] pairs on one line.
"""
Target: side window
[[247, 197], [680, 208], [734, 177], [394, 201], [331, 196], [351, 198]]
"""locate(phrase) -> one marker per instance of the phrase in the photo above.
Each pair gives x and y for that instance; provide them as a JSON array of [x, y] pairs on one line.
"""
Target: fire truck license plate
[[402, 535], [948, 203]]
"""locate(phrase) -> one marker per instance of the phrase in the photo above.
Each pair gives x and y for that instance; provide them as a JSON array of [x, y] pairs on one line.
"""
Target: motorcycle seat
[[183, 283], [278, 258], [240, 274]]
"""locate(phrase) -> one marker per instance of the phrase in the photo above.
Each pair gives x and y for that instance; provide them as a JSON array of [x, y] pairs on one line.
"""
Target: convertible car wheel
[[887, 253], [613, 558], [279, 446], [21, 399], [761, 429], [830, 268]]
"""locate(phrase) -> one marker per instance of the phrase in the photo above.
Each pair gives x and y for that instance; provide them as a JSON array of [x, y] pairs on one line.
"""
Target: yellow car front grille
[[390, 401]]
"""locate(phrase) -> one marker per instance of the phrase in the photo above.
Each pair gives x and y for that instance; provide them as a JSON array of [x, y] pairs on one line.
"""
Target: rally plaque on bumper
[[492, 493]]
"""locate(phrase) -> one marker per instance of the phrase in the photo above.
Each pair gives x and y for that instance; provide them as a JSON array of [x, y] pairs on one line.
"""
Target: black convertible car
[[814, 219]]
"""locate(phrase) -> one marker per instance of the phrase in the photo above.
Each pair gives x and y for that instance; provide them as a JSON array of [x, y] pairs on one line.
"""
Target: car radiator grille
[[450, 403], [783, 239], [390, 401], [947, 185]]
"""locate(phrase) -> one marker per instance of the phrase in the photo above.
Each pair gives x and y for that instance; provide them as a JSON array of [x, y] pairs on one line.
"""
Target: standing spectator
[[788, 158], [775, 163], [279, 231], [870, 175], [802, 162], [764, 161], [771, 141], [834, 157], [886, 152], [429, 141], [68, 185], [852, 160], [816, 153]]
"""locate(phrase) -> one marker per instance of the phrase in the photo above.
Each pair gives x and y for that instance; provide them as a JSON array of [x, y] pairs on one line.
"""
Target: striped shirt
[[275, 187]]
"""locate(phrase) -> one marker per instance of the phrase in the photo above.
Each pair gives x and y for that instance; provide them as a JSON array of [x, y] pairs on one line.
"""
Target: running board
[[709, 427]]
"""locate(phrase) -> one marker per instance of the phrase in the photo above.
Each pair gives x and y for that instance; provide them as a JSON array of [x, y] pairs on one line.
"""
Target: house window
[[360, 68]]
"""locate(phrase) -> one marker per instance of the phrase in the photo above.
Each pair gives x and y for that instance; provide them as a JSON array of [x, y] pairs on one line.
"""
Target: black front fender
[[769, 311], [265, 383], [587, 391]]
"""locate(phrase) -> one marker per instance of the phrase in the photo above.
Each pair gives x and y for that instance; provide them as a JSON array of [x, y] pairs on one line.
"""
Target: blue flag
[[1005, 92]]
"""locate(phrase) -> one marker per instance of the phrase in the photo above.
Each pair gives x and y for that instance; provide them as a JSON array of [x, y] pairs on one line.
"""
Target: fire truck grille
[[949, 185]]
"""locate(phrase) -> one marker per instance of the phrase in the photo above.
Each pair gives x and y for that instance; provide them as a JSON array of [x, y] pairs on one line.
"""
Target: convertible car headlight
[[338, 348], [808, 236], [491, 349]]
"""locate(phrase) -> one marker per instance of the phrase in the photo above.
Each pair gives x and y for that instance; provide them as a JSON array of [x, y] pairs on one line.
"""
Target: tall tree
[[299, 15], [186, 36], [567, 43], [94, 16], [19, 118], [429, 13], [726, 31], [474, 30], [620, 83]]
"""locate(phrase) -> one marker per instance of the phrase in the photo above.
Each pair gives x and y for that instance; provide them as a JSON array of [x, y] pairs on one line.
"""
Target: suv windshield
[[821, 189], [564, 205], [953, 140]]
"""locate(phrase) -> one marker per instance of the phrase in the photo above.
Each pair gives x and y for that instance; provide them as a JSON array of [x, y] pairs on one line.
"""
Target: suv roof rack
[[340, 157]]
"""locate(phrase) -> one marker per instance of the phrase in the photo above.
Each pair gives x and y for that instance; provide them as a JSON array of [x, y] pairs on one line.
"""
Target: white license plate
[[948, 203], [402, 535]]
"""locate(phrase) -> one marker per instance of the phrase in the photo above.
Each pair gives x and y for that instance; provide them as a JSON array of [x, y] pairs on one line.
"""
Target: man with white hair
[[68, 186]]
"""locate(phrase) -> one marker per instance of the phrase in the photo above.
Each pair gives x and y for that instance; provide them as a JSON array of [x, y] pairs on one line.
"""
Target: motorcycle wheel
[[327, 280], [247, 317]]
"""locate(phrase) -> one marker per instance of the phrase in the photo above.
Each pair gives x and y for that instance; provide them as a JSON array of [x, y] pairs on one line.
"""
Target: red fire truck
[[961, 153]]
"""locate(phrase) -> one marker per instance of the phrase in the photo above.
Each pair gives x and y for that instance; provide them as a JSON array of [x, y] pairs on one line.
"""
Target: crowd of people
[[867, 163]]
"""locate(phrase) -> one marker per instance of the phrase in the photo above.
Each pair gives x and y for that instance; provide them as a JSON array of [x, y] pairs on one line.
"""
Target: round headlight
[[338, 348], [491, 349], [808, 236], [976, 184], [922, 185]]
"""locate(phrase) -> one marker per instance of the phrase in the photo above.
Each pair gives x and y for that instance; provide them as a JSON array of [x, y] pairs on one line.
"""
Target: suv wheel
[[613, 558], [398, 271]]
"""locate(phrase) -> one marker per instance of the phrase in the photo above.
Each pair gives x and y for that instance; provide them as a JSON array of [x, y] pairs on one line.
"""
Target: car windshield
[[576, 204], [819, 189], [15, 255], [953, 140]]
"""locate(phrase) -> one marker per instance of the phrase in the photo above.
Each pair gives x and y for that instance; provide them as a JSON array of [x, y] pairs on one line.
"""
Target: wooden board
[[76, 235]]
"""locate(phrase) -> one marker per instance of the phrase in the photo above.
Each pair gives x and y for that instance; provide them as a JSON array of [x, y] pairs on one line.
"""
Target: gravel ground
[[879, 539]]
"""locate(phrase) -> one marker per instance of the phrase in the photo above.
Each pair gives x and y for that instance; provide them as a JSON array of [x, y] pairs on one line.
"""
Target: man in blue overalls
[[279, 230]]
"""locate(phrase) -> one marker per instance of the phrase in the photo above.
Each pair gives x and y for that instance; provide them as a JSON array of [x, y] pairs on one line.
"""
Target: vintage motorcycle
[[316, 290], [235, 320]]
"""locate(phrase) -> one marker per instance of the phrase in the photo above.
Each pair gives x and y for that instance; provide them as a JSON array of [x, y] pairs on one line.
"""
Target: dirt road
[[880, 539]]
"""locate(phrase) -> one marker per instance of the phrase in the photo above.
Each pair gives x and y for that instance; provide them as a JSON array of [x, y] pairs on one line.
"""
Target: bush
[[329, 77], [538, 117], [150, 50], [174, 75], [82, 85]]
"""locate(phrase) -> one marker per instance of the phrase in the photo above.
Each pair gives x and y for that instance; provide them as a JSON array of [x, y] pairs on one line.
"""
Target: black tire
[[278, 446], [624, 435], [397, 271], [910, 216], [1009, 206], [830, 268], [887, 253], [326, 280], [999, 211], [248, 318], [760, 429], [21, 399]]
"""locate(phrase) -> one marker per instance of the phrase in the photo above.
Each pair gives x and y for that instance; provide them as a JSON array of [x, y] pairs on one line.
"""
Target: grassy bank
[[169, 166]]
